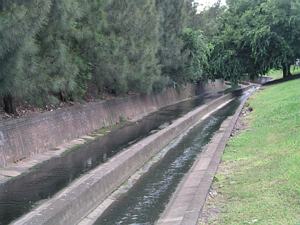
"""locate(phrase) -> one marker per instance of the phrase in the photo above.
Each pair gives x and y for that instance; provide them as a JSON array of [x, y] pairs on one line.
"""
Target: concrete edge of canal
[[190, 196], [92, 217], [74, 202]]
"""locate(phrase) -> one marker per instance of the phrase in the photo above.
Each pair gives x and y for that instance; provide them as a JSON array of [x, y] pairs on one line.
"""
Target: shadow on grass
[[293, 77]]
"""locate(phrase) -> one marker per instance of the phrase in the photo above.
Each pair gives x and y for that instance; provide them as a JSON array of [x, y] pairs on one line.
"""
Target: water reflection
[[147, 199], [22, 194]]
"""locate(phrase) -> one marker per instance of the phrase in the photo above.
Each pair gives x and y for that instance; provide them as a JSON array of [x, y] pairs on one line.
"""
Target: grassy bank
[[277, 74], [260, 174]]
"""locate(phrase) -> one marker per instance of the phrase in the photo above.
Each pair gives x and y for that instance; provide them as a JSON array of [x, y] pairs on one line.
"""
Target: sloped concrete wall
[[23, 138], [77, 200]]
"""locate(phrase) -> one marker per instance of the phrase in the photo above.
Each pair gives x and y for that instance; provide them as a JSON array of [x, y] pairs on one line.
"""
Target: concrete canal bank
[[26, 137], [20, 194], [74, 202], [189, 198], [147, 198]]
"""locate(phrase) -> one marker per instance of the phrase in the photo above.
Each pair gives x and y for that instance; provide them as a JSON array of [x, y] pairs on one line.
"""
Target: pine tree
[[20, 22], [90, 44], [58, 50], [59, 61], [172, 14], [131, 35]]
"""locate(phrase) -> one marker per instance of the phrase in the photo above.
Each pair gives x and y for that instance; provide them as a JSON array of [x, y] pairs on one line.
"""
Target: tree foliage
[[171, 15], [254, 37], [20, 23], [62, 50], [131, 34], [197, 51], [65, 50]]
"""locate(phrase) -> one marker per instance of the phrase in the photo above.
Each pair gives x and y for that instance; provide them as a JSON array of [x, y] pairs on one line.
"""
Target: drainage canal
[[143, 203], [20, 195]]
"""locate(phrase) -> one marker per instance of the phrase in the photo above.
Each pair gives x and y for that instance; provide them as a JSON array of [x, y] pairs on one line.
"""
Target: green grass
[[260, 173], [277, 74]]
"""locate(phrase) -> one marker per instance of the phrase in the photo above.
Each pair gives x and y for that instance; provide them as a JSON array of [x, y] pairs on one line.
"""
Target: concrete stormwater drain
[[21, 194], [73, 203], [146, 200]]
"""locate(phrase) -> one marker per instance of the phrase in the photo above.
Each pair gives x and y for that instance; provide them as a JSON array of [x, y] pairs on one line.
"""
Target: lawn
[[277, 74], [259, 177]]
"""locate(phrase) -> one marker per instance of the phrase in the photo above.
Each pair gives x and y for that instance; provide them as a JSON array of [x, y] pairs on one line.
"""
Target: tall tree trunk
[[62, 96], [9, 104], [286, 68]]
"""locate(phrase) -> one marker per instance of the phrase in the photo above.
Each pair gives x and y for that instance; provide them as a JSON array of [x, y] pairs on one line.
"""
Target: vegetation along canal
[[147, 199], [20, 195]]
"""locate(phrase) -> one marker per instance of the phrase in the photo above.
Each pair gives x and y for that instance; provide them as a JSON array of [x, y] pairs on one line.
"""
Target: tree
[[131, 34], [208, 20], [197, 51], [255, 36], [172, 15], [63, 50], [278, 32], [59, 61], [90, 43], [231, 56], [20, 22]]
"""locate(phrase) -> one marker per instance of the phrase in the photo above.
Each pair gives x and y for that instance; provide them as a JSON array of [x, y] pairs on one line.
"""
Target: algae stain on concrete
[[2, 139]]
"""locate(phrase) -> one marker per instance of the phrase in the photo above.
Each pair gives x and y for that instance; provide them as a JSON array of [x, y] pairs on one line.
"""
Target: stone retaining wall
[[26, 137]]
